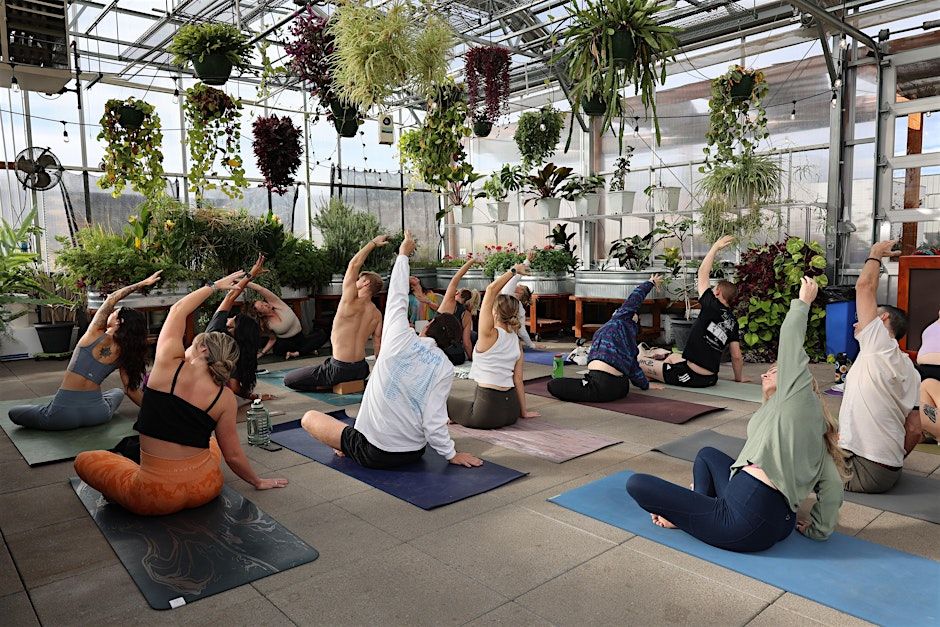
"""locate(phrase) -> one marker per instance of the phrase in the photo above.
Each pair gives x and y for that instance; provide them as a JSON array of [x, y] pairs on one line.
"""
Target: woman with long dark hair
[[115, 339]]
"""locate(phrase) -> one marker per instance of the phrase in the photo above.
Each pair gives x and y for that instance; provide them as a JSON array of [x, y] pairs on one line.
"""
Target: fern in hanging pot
[[537, 134], [487, 73], [132, 151], [213, 48], [213, 128], [277, 148], [609, 45]]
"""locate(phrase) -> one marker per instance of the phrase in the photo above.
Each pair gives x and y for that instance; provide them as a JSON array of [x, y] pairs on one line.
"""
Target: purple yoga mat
[[645, 406]]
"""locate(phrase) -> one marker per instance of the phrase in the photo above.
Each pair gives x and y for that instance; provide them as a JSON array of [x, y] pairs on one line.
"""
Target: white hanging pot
[[587, 205], [620, 202], [499, 210], [665, 199], [548, 208]]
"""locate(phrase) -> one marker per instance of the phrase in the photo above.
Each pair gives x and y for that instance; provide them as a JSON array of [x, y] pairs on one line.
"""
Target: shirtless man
[[357, 319], [287, 337]]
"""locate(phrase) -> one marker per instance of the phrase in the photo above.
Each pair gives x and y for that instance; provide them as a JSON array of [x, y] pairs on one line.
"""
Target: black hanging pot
[[345, 119], [742, 90], [622, 47], [55, 338], [594, 105], [130, 117], [214, 69], [482, 128]]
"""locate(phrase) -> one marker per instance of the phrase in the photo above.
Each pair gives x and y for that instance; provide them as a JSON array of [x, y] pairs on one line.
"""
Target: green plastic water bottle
[[558, 366]]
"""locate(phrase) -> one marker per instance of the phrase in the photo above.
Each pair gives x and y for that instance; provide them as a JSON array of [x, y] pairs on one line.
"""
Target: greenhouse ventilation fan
[[38, 168]]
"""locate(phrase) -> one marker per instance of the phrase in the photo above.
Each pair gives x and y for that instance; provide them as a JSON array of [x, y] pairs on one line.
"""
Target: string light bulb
[[176, 95], [832, 103], [14, 85], [793, 111], [844, 42], [836, 84], [636, 126], [65, 133], [542, 127]]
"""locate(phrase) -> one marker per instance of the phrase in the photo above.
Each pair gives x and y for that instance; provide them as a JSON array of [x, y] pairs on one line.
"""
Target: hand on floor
[[531, 414], [267, 484], [466, 459], [802, 526]]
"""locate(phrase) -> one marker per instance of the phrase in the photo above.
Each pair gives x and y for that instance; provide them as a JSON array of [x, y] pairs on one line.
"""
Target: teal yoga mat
[[276, 377], [867, 580], [44, 447], [728, 389]]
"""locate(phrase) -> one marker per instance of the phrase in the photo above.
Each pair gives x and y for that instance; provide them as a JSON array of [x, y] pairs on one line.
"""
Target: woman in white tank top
[[497, 364]]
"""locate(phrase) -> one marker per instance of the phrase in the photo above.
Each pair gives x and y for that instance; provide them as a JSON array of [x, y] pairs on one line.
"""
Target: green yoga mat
[[728, 389], [276, 377], [44, 447]]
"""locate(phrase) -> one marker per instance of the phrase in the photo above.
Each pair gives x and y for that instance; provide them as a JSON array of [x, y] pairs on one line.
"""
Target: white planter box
[[161, 297], [295, 292], [619, 203], [548, 208], [588, 205], [499, 211], [665, 199]]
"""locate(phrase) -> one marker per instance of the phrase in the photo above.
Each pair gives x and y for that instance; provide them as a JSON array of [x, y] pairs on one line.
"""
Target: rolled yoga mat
[[429, 483], [44, 447], [199, 552], [276, 377], [636, 404], [540, 438], [912, 495], [867, 580]]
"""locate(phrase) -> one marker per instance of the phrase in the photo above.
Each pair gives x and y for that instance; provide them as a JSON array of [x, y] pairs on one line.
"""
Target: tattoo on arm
[[931, 413]]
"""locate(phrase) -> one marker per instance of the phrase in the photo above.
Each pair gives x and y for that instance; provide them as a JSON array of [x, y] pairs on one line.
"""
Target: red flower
[[499, 248]]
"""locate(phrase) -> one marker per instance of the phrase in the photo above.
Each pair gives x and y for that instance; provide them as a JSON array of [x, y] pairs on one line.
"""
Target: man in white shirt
[[404, 407], [877, 427]]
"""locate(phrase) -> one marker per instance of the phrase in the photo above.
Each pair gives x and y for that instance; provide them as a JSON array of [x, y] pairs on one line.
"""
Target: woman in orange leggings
[[182, 438]]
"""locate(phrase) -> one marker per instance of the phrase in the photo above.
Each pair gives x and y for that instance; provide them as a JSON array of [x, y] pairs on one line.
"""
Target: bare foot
[[292, 355], [339, 453], [659, 521]]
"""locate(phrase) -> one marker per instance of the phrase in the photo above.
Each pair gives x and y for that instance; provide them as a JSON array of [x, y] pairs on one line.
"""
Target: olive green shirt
[[785, 436]]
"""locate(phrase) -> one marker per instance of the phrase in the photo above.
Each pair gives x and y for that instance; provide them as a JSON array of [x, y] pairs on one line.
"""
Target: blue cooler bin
[[840, 334]]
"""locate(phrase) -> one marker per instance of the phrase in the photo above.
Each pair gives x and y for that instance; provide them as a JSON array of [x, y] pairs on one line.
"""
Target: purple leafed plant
[[487, 70], [277, 148], [310, 50]]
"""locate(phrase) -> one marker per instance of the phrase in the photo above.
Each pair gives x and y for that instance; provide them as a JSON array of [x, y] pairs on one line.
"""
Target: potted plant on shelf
[[635, 253], [213, 119], [497, 187], [277, 148], [300, 265], [213, 48], [537, 134], [132, 134], [57, 313], [546, 186], [610, 44], [662, 199], [498, 259], [582, 190], [344, 231], [460, 191], [619, 200], [487, 74]]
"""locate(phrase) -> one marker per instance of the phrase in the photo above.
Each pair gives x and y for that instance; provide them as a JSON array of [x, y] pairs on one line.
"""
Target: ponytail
[[507, 312]]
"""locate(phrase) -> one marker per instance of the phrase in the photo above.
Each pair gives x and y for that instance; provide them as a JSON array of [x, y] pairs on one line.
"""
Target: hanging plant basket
[[213, 69], [742, 90], [594, 105], [345, 119], [482, 128], [487, 72], [130, 117], [622, 46], [131, 132]]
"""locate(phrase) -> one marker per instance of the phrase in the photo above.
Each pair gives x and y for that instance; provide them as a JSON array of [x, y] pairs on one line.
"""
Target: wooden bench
[[653, 306]]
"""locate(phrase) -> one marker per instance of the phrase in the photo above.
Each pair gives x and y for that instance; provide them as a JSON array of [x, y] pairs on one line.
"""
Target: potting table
[[556, 306], [655, 307]]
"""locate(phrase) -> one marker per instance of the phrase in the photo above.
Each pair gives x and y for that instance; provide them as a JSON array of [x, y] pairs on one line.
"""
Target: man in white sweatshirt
[[404, 407]]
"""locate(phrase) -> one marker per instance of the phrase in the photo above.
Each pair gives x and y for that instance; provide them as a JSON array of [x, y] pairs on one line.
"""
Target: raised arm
[[487, 324], [396, 303], [792, 361], [866, 288], [705, 270], [632, 304], [354, 267], [217, 323], [449, 303], [100, 322], [269, 297]]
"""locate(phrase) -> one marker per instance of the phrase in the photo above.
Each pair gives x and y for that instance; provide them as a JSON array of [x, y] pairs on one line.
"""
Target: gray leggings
[[70, 409], [489, 409]]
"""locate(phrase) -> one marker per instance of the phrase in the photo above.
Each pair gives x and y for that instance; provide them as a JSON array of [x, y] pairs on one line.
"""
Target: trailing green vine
[[132, 153], [213, 118], [735, 123]]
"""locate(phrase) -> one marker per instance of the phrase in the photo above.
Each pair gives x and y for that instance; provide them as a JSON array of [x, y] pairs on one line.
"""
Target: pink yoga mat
[[645, 406], [540, 438]]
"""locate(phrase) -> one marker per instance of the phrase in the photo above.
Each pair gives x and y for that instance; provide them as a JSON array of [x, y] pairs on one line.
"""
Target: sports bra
[[165, 416], [84, 364]]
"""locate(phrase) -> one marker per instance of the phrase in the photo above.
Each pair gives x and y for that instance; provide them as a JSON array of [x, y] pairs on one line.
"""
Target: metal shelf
[[592, 218]]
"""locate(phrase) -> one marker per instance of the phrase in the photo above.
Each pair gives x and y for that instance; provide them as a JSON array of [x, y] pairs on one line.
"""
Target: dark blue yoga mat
[[276, 377], [429, 483], [867, 580]]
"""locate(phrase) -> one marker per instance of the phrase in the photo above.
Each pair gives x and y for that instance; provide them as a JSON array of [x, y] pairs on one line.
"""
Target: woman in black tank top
[[183, 438]]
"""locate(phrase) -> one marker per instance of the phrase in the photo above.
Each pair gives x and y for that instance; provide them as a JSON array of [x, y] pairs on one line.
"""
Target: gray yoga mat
[[728, 389], [913, 495], [44, 447], [195, 553]]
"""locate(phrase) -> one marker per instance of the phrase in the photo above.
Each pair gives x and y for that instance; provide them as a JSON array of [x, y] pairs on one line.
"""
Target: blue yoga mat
[[867, 580], [431, 482], [276, 377], [545, 358]]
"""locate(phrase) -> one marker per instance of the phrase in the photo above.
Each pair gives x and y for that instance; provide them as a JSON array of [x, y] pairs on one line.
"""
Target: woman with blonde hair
[[497, 361], [750, 504], [182, 439]]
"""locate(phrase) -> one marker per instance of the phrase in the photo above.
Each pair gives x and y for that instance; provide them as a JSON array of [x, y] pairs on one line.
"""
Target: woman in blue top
[[115, 339], [612, 363]]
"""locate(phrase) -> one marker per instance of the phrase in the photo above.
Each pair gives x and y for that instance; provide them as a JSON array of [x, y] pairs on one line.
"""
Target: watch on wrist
[[513, 270]]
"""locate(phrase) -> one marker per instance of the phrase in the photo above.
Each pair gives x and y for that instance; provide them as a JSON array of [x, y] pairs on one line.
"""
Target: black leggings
[[597, 386], [489, 409], [300, 343], [929, 371]]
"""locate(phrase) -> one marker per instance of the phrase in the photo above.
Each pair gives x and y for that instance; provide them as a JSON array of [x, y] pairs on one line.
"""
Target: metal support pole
[[81, 133], [835, 207], [307, 163]]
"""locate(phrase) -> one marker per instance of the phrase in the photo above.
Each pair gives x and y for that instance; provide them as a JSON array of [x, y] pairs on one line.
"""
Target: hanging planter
[[487, 72], [594, 105], [277, 148], [345, 119], [482, 128], [213, 119], [132, 135], [537, 134], [213, 48], [743, 89], [621, 46]]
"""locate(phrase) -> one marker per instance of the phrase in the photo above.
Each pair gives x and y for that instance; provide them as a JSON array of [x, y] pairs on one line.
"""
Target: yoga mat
[[867, 580], [912, 495], [199, 552], [429, 483], [933, 449], [44, 447], [728, 389], [635, 404], [540, 438], [545, 358], [276, 377]]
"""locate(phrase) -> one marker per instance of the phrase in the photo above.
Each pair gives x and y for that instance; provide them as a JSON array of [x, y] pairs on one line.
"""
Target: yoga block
[[349, 387]]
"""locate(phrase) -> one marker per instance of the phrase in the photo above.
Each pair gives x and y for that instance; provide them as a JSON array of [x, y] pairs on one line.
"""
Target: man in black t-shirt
[[715, 328]]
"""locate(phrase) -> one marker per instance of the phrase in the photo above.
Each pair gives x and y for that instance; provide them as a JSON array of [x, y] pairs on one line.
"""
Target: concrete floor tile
[[58, 551], [776, 616], [340, 538], [923, 463], [509, 614], [16, 475], [853, 517], [677, 471], [904, 534], [273, 460], [649, 433], [624, 587], [816, 611], [17, 610], [38, 507], [736, 427], [10, 582], [513, 550], [299, 493], [402, 586]]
